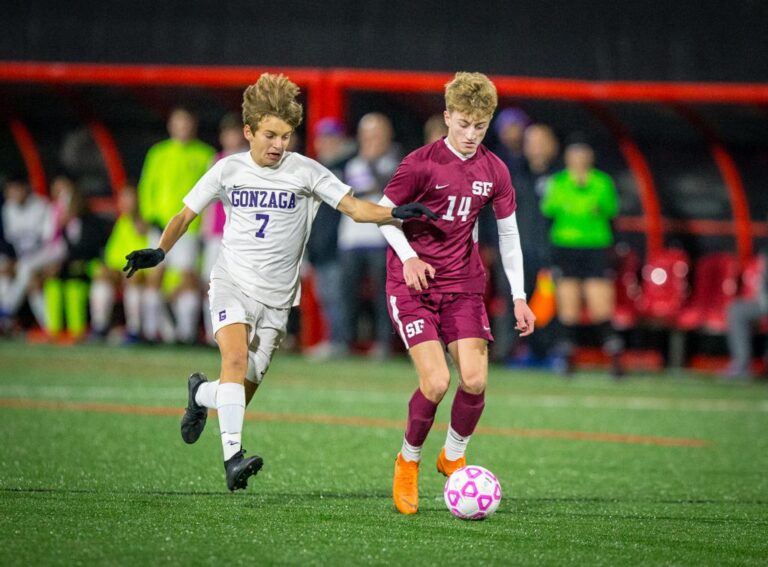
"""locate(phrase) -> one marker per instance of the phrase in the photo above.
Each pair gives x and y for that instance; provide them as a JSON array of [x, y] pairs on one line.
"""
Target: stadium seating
[[715, 284], [664, 287], [750, 277], [627, 285]]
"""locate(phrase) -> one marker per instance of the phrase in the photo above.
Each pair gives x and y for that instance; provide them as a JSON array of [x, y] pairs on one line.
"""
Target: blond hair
[[271, 95], [471, 93]]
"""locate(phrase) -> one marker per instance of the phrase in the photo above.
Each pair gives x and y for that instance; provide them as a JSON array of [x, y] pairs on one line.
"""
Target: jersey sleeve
[[324, 184], [405, 183], [207, 188], [504, 203]]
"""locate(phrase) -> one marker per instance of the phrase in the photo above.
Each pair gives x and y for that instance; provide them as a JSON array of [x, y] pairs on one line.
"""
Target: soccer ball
[[472, 493]]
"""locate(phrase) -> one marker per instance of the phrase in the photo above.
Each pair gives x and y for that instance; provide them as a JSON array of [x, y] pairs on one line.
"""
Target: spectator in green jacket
[[170, 170], [581, 201]]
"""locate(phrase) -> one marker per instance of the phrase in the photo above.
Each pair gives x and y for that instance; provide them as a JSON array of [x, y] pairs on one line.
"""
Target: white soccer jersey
[[28, 226], [269, 216]]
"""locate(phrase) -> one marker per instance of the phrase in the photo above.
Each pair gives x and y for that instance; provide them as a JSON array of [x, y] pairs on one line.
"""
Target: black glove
[[413, 211], [145, 258]]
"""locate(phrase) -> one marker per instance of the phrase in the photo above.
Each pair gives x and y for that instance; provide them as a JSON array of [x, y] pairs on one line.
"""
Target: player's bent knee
[[434, 387], [474, 383], [234, 364]]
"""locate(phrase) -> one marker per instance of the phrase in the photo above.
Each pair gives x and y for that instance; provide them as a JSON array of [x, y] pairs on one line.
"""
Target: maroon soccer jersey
[[455, 190]]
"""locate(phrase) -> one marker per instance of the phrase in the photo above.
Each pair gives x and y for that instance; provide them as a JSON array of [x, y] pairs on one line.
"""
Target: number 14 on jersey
[[463, 211]]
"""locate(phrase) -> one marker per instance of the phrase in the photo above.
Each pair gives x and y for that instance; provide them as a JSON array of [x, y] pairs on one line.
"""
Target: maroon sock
[[421, 415], [466, 411]]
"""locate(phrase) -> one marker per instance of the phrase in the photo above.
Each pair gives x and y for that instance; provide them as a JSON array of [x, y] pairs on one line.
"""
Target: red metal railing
[[326, 89]]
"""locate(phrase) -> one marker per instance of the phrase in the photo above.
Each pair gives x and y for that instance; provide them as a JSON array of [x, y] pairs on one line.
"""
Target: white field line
[[277, 394]]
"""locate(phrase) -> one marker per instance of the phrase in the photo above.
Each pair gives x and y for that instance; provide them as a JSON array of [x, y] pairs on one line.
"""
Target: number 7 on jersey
[[264, 220]]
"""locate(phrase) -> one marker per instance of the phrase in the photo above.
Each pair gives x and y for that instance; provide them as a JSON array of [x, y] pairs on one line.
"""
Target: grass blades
[[654, 470]]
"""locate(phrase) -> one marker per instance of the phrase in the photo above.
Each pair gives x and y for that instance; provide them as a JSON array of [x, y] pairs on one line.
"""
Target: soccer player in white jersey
[[270, 196]]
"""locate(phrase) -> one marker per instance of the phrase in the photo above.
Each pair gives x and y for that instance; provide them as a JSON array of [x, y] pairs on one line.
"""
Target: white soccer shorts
[[266, 325]]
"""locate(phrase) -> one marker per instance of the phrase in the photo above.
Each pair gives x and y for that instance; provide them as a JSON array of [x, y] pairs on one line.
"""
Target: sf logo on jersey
[[481, 188]]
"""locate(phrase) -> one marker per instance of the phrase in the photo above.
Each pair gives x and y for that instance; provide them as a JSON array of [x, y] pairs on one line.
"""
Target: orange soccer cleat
[[446, 467], [405, 486]]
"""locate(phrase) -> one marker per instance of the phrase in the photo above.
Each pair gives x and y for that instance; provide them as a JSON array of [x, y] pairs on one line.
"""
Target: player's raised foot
[[239, 469], [195, 415], [446, 467], [405, 486]]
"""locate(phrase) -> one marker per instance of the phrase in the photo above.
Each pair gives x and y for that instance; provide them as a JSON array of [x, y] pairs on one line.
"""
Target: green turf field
[[655, 470]]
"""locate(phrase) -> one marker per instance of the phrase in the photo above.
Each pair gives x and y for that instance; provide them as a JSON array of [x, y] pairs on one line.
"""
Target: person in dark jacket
[[66, 289]]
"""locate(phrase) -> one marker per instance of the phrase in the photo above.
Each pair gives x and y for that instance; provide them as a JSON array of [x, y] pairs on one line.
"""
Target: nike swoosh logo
[[238, 186], [438, 187]]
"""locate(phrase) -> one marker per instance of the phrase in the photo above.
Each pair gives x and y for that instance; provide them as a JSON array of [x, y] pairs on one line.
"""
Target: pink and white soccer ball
[[472, 493]]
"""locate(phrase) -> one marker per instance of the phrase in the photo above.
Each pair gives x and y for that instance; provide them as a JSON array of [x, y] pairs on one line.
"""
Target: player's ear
[[247, 132], [447, 118]]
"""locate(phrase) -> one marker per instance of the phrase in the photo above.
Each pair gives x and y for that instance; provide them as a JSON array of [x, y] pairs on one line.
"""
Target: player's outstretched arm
[[365, 211], [151, 257]]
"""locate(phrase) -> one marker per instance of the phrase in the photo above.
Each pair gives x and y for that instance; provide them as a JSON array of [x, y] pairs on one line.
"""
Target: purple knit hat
[[329, 127], [509, 116]]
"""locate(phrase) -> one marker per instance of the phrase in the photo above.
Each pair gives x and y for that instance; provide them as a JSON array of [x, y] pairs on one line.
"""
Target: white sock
[[455, 445], [102, 300], [206, 394], [14, 294], [167, 329], [230, 403], [258, 364], [186, 309], [409, 452], [132, 308], [151, 307]]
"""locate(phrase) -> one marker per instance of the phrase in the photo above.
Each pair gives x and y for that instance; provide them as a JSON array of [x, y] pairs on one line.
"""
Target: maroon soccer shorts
[[435, 316]]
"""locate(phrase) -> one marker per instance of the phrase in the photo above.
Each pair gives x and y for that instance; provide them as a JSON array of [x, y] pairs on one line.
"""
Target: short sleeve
[[404, 185], [504, 195], [324, 184], [207, 189]]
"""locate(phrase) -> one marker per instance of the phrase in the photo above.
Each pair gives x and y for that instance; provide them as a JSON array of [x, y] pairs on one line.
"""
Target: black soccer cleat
[[195, 415], [238, 469]]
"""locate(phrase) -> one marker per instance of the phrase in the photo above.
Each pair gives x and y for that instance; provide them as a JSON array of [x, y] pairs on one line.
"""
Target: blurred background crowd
[[638, 151], [61, 262]]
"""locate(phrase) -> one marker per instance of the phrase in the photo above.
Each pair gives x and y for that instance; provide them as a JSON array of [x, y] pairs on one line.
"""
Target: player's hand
[[524, 318], [413, 211], [415, 272], [145, 258]]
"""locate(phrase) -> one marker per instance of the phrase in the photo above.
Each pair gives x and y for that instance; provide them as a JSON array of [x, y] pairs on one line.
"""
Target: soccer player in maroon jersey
[[435, 278]]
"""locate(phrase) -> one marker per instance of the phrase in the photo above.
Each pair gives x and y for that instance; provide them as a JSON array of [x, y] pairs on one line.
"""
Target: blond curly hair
[[272, 95], [471, 93]]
